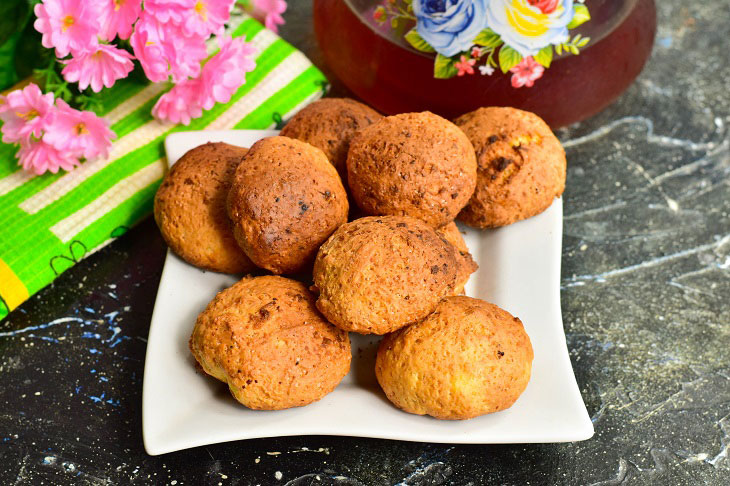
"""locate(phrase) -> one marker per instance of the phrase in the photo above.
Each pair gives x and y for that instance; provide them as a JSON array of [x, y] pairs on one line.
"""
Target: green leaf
[[488, 38], [444, 68], [30, 53], [574, 50], [545, 56], [13, 16], [415, 39], [399, 24], [508, 58], [8, 76], [583, 41], [580, 16], [559, 49], [10, 5]]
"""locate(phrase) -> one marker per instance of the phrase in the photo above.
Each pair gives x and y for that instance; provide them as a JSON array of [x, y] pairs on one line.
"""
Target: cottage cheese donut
[[521, 166], [329, 124], [468, 358], [413, 164], [264, 338], [466, 264], [285, 200], [380, 273], [190, 208]]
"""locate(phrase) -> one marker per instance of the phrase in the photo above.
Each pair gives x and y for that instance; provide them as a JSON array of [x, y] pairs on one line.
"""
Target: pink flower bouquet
[[96, 43]]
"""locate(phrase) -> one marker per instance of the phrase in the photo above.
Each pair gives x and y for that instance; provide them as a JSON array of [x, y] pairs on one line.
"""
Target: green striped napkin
[[50, 222]]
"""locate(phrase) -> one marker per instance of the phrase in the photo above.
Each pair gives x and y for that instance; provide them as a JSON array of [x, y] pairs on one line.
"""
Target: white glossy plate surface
[[519, 270]]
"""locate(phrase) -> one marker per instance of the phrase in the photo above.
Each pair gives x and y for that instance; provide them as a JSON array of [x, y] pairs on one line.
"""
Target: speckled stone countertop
[[645, 297]]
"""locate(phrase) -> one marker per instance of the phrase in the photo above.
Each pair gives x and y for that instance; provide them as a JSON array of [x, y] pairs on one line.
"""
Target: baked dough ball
[[329, 124], [465, 263], [286, 199], [380, 273], [413, 164], [521, 166], [264, 338], [190, 208], [466, 359], [450, 232]]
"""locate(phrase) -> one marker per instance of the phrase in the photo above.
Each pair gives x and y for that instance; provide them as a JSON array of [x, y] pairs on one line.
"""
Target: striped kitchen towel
[[50, 222]]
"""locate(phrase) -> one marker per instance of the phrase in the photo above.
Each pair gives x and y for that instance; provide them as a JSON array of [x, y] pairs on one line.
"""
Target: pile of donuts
[[345, 223]]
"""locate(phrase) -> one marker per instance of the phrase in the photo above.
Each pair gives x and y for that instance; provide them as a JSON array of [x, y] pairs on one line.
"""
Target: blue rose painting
[[450, 26], [518, 36]]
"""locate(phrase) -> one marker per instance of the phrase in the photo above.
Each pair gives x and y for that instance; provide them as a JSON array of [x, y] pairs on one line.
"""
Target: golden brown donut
[[413, 164], [521, 166], [329, 124], [190, 208], [380, 273], [466, 264], [468, 358], [285, 200], [264, 338]]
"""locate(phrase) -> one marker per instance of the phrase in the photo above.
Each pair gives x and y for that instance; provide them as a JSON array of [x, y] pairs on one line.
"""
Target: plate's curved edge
[[155, 449], [213, 136], [588, 429], [149, 353]]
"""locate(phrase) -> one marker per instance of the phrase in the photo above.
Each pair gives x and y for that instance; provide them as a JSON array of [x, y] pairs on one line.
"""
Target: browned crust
[[265, 338], [467, 359], [380, 273], [329, 124], [466, 264], [190, 208], [285, 201], [521, 166], [413, 164]]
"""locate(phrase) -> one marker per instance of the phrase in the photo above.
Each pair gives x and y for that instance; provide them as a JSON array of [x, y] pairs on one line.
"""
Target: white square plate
[[519, 270]]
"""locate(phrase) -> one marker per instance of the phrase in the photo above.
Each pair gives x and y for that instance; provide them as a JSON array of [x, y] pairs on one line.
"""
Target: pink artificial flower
[[79, 133], [37, 157], [526, 73], [225, 72], [174, 11], [465, 66], [147, 45], [476, 52], [163, 49], [181, 103], [270, 11], [25, 112], [207, 17], [100, 68], [71, 26], [222, 75], [184, 53], [118, 17]]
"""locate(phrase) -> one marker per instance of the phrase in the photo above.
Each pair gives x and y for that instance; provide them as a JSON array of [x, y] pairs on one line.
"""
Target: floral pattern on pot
[[450, 26], [526, 28], [480, 36]]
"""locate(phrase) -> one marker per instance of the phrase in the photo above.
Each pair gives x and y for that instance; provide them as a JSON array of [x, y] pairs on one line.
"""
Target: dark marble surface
[[646, 291]]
